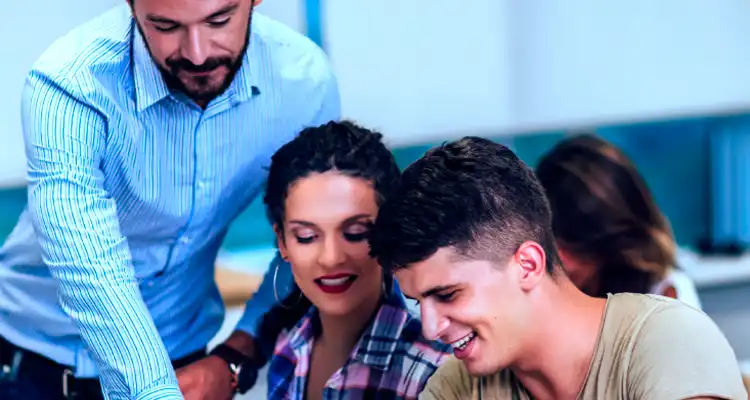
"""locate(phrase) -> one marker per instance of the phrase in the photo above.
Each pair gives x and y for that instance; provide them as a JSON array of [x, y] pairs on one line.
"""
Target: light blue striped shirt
[[131, 191]]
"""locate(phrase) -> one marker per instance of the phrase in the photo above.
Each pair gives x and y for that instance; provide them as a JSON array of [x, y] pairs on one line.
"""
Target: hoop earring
[[276, 293]]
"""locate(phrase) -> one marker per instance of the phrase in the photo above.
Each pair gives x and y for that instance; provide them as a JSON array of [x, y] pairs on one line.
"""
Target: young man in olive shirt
[[469, 236]]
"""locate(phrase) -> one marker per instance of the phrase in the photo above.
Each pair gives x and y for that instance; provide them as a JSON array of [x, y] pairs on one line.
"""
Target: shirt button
[[184, 240]]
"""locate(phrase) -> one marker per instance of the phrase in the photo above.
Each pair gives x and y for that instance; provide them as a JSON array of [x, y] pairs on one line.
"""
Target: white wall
[[27, 28], [289, 12], [590, 60], [422, 66], [426, 70]]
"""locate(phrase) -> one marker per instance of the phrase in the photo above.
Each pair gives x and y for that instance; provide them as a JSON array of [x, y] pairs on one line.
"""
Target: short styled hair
[[473, 195]]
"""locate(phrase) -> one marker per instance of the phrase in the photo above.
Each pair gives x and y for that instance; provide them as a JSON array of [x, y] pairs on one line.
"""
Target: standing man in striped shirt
[[147, 131]]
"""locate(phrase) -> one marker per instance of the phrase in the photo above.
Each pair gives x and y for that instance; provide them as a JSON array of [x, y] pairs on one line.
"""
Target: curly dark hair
[[336, 146], [473, 195], [341, 146], [604, 213]]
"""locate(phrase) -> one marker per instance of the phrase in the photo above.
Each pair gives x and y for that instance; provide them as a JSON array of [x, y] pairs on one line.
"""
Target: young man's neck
[[556, 362]]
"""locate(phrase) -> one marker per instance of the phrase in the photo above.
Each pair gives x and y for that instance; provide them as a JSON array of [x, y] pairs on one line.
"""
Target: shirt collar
[[149, 83], [380, 339], [247, 82]]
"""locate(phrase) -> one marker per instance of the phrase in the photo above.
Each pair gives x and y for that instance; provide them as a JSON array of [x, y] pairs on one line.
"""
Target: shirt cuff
[[163, 392]]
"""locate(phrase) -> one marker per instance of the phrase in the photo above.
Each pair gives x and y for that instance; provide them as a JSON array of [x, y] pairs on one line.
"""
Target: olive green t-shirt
[[650, 348]]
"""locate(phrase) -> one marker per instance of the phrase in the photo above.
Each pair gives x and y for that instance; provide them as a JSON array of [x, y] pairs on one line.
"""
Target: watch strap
[[229, 354], [235, 361]]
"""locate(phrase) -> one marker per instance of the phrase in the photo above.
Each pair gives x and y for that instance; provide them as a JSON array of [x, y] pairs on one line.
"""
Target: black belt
[[21, 362]]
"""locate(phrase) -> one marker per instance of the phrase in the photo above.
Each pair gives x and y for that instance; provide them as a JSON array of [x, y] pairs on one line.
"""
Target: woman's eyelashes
[[304, 236], [353, 235], [358, 232], [305, 239]]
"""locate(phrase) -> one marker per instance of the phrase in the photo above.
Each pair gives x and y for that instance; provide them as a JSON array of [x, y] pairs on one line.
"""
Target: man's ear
[[532, 261], [280, 242]]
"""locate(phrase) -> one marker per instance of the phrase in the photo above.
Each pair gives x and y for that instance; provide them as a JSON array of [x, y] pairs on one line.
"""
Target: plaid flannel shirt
[[392, 359]]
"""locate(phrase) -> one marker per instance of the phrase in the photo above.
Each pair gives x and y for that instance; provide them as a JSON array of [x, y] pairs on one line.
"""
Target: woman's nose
[[331, 253]]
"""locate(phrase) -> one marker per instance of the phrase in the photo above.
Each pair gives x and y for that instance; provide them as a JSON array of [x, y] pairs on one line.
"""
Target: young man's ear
[[280, 241], [532, 262]]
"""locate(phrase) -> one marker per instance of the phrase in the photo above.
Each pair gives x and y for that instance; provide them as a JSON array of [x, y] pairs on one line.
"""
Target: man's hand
[[210, 378], [206, 379]]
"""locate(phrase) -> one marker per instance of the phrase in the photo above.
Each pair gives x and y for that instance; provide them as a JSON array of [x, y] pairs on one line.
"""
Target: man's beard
[[203, 90], [201, 87]]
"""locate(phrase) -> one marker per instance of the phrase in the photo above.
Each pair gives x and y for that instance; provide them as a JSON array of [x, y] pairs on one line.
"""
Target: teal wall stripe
[[314, 21]]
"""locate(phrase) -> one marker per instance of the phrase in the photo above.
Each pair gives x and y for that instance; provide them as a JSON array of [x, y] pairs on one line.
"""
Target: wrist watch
[[244, 373]]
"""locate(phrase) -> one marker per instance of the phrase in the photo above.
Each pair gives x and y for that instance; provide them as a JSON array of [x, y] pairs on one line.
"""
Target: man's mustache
[[183, 64]]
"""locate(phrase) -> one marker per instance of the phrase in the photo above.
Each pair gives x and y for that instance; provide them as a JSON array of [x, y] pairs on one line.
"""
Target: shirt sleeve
[[680, 353], [451, 381], [330, 104], [264, 299], [76, 222]]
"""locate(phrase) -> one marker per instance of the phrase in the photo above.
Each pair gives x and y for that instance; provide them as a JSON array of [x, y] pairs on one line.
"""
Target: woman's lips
[[336, 284]]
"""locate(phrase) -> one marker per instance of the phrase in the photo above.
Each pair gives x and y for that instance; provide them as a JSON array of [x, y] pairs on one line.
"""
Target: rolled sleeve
[[76, 222]]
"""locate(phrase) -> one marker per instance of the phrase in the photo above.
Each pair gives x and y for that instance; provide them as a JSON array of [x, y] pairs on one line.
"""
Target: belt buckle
[[67, 374]]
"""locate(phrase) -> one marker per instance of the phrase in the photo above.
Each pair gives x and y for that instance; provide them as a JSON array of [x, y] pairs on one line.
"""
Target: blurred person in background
[[611, 235], [345, 331], [148, 130]]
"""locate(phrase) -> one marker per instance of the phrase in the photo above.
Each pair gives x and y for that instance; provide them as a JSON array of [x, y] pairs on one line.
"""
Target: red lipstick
[[336, 283]]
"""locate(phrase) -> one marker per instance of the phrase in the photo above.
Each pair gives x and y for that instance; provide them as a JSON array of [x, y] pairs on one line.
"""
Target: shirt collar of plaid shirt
[[379, 341]]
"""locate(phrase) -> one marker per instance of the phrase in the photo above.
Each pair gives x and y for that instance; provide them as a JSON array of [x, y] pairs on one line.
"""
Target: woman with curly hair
[[344, 331]]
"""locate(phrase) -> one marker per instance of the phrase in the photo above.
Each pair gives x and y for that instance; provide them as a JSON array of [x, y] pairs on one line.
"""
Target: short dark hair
[[473, 195]]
